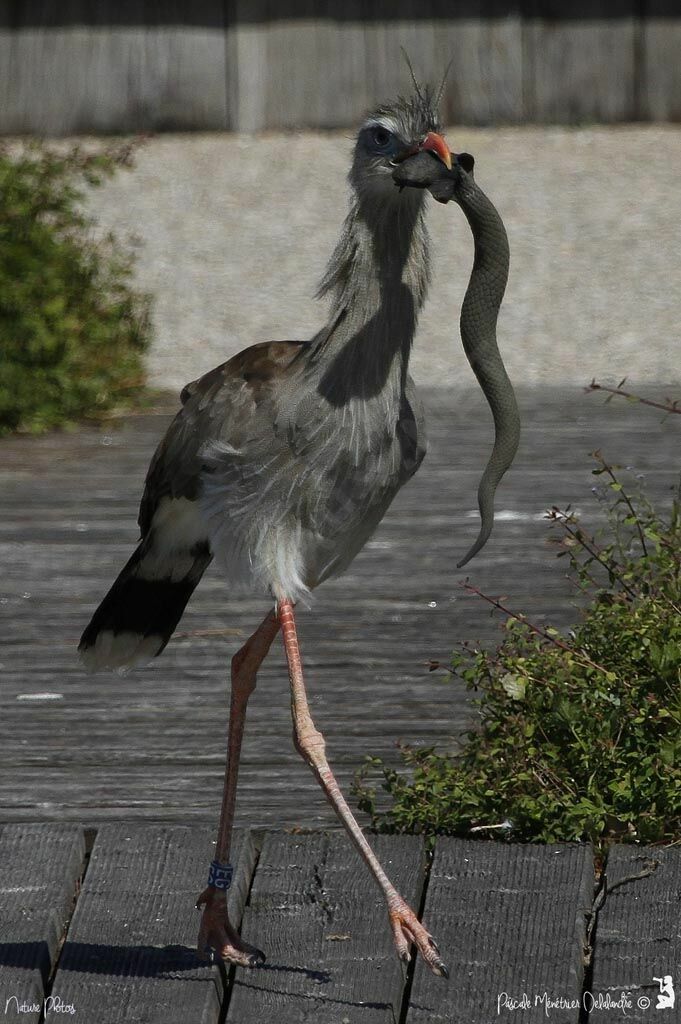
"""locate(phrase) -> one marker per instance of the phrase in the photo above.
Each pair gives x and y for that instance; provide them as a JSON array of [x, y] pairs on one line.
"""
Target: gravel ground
[[234, 232]]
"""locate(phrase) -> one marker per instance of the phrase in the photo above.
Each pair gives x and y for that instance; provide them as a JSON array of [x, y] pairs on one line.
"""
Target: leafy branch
[[579, 733]]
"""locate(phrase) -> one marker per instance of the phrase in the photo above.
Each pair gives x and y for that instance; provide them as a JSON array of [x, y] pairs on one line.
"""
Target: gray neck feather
[[377, 279]]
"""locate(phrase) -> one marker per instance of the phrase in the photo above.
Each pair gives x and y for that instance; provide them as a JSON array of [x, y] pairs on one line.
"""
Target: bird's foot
[[407, 931], [218, 937]]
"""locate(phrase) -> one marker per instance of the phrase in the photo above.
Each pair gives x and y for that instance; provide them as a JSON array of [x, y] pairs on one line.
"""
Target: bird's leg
[[216, 932], [406, 927]]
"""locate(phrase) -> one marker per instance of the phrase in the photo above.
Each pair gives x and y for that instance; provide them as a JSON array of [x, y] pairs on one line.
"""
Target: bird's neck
[[377, 279]]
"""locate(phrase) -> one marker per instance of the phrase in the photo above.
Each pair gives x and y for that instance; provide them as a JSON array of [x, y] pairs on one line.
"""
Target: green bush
[[72, 331], [578, 736]]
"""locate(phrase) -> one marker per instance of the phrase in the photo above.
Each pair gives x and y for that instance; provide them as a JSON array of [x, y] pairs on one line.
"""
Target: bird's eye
[[381, 137]]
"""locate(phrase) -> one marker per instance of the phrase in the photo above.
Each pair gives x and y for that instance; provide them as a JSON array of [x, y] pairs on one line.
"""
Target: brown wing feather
[[211, 405]]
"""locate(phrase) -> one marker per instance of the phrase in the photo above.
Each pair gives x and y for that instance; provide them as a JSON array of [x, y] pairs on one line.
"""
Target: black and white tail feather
[[139, 614]]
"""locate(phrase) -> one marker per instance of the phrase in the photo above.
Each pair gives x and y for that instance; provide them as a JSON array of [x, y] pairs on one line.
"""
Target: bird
[[283, 460]]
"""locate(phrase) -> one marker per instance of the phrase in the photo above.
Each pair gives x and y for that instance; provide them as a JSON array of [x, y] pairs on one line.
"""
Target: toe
[[217, 936], [242, 954], [400, 939], [239, 957], [431, 954], [408, 930]]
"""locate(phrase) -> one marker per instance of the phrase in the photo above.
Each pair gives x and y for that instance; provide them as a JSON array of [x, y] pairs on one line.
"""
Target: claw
[[408, 930]]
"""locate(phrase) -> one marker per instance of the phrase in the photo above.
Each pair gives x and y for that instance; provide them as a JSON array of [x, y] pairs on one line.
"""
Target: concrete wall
[[232, 252]]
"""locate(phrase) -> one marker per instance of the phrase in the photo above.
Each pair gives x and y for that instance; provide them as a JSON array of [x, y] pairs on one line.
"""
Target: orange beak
[[436, 144]]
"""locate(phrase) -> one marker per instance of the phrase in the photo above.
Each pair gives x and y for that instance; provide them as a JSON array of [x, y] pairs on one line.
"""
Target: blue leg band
[[220, 875]]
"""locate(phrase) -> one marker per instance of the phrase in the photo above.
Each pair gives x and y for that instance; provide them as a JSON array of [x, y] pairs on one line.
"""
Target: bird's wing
[[218, 412]]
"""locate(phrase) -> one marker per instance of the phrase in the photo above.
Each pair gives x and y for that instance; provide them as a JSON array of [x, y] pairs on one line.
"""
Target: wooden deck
[[130, 768], [83, 748], [110, 938]]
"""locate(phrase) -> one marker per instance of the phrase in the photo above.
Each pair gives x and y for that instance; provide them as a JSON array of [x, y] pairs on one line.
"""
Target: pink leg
[[216, 931], [406, 927]]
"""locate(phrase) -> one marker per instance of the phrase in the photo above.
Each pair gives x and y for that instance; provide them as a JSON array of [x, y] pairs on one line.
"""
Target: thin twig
[[519, 617], [589, 544], [651, 867], [667, 406]]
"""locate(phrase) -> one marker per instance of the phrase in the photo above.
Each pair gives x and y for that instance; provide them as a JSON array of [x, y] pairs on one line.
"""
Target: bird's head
[[391, 134]]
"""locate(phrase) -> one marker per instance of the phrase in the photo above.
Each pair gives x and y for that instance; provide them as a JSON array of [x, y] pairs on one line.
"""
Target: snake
[[479, 311]]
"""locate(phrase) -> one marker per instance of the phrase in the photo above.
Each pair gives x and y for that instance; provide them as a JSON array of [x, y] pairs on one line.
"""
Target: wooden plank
[[39, 870], [320, 918], [247, 47], [660, 85], [581, 69], [95, 71], [638, 931], [342, 57], [508, 918], [110, 67], [356, 64], [485, 81], [130, 954]]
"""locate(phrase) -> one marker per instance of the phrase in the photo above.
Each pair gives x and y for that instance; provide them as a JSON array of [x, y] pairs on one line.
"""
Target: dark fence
[[101, 65]]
